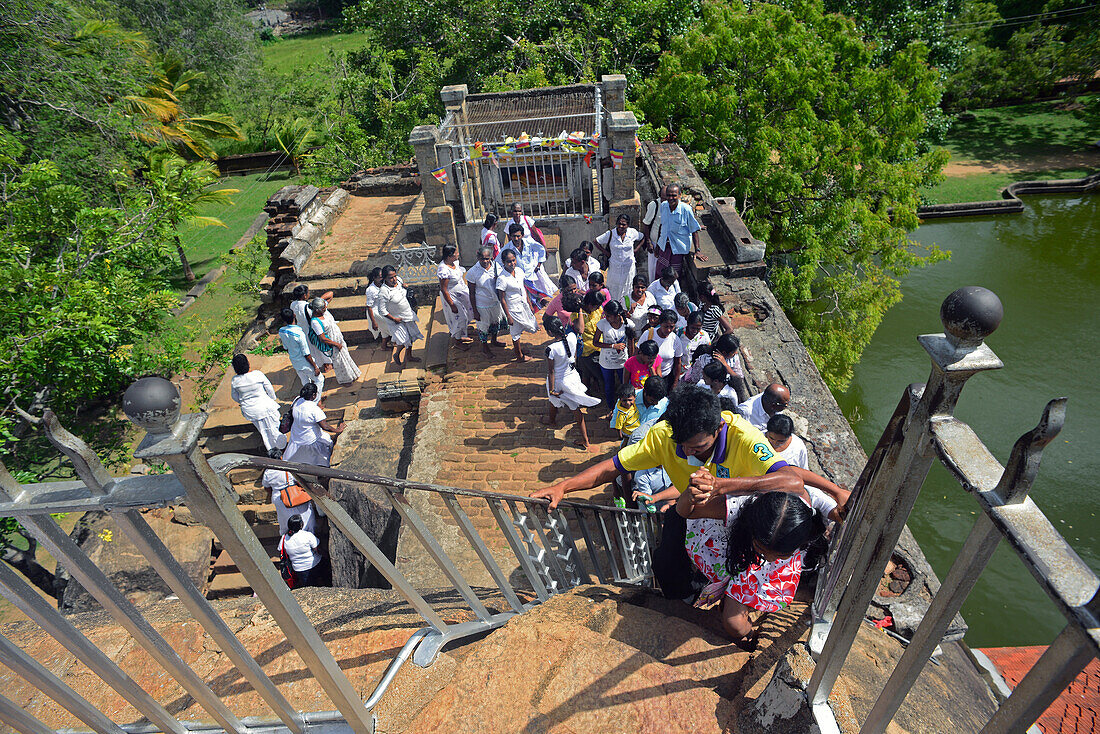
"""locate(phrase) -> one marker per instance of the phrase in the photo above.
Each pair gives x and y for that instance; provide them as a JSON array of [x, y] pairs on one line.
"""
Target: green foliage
[[785, 107], [210, 37], [250, 263], [82, 303]]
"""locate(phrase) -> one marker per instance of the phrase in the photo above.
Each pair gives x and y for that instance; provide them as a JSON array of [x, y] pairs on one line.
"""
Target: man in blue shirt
[[651, 400], [297, 346], [679, 232]]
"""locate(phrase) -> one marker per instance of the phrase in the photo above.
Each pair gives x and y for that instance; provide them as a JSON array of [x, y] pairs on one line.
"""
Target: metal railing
[[543, 543], [921, 430]]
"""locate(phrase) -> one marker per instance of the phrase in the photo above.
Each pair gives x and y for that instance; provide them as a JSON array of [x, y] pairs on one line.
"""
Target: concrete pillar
[[439, 226], [423, 139], [613, 88], [622, 127], [454, 97], [438, 217]]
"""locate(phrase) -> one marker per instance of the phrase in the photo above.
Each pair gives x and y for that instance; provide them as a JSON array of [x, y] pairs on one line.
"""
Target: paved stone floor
[[370, 224]]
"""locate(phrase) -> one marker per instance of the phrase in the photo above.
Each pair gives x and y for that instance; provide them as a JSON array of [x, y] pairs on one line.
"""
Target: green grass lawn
[[1013, 134], [204, 246], [297, 54], [986, 186]]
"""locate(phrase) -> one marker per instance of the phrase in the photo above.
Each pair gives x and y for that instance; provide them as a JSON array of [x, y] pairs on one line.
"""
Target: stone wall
[[300, 217]]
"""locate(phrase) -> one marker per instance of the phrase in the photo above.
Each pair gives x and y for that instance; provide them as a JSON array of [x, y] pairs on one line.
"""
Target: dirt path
[[1054, 162]]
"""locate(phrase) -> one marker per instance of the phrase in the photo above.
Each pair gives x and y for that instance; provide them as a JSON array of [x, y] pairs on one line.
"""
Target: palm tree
[[294, 136], [185, 186], [162, 119]]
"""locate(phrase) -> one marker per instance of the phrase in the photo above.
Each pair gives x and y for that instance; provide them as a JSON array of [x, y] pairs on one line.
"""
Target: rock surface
[[371, 446], [114, 554], [597, 659]]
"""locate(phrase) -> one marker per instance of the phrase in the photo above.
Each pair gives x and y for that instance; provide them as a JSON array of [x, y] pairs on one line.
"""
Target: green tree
[[83, 301], [181, 187], [785, 108], [162, 120], [211, 37]]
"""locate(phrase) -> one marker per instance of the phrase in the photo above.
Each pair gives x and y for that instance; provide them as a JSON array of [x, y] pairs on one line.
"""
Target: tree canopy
[[784, 107]]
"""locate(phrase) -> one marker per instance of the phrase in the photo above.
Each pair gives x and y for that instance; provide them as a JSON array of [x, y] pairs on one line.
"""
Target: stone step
[[347, 308], [356, 331], [234, 443], [340, 286]]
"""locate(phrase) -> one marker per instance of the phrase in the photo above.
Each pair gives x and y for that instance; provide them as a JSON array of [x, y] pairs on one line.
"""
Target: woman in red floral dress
[[751, 548]]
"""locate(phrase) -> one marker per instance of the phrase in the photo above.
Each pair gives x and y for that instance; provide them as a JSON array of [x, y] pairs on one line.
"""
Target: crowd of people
[[743, 515]]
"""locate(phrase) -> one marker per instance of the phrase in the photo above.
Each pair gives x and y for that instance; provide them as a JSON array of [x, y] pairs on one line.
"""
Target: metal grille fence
[[613, 544], [921, 430], [548, 181]]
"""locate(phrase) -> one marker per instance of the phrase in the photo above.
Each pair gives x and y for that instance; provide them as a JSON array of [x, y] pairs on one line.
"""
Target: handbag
[[315, 339], [411, 298], [293, 495], [287, 421], [285, 569]]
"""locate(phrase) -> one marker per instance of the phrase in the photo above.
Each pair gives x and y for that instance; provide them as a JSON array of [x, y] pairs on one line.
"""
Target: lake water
[[1044, 264]]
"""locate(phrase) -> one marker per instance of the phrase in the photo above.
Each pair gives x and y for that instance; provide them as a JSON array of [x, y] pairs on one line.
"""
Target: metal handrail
[[542, 541], [922, 430]]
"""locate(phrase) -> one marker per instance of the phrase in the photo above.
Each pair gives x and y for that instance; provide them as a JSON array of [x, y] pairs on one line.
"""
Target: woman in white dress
[[621, 246], [309, 441], [277, 480], [615, 339], [325, 332], [670, 348], [253, 391], [456, 296], [664, 290], [379, 326], [563, 382], [638, 303], [393, 304], [513, 299]]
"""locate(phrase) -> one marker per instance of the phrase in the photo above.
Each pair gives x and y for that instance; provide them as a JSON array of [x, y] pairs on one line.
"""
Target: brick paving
[[484, 420], [1075, 711], [369, 226]]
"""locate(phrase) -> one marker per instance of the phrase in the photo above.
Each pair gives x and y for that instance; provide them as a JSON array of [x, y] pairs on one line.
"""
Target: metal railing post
[[35, 673], [969, 315], [1066, 657], [91, 471], [1016, 480], [153, 403]]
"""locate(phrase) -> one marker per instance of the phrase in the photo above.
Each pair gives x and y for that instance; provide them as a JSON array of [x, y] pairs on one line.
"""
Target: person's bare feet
[[520, 358], [582, 445]]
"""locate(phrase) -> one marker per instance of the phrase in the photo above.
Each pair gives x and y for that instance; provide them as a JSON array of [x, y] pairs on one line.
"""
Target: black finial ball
[[971, 313], [152, 403]]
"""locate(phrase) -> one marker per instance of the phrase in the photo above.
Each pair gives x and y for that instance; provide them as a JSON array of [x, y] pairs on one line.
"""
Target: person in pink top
[[554, 308], [645, 363], [596, 283]]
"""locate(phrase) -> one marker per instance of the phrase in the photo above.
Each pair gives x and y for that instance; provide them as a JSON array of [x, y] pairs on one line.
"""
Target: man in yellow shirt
[[705, 451]]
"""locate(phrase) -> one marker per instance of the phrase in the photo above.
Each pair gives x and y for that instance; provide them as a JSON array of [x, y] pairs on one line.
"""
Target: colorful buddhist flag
[[478, 150], [588, 219], [637, 146], [616, 158], [441, 175], [523, 144], [575, 138], [594, 141]]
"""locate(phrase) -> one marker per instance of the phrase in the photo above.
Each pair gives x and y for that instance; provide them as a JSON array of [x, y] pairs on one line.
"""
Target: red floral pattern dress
[[766, 588]]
